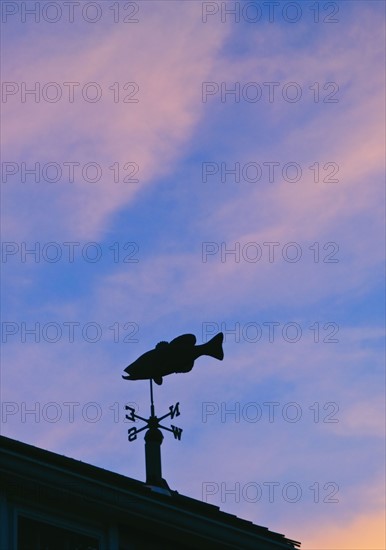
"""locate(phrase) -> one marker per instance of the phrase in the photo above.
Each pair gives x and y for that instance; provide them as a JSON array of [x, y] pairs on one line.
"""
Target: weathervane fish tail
[[213, 348]]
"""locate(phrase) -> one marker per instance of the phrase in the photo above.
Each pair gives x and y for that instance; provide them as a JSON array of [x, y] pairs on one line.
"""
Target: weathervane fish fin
[[184, 340], [158, 380], [187, 367], [162, 345]]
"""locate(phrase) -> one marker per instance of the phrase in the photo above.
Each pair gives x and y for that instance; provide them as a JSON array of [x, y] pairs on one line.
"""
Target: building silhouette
[[52, 502]]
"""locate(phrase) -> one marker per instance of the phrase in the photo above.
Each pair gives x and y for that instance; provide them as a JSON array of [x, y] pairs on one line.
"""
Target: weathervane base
[[153, 441]]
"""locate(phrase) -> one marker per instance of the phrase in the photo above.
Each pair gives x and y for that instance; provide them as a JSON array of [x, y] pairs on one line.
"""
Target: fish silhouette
[[177, 356]]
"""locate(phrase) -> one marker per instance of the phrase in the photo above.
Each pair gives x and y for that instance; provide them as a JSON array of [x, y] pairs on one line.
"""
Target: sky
[[195, 167]]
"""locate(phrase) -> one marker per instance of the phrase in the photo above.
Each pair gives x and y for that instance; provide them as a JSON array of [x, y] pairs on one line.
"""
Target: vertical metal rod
[[151, 398]]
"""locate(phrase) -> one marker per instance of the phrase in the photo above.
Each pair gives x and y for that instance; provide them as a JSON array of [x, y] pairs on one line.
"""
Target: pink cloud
[[364, 531], [164, 58]]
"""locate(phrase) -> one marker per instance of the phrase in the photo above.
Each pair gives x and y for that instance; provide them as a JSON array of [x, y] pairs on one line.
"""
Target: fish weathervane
[[176, 356]]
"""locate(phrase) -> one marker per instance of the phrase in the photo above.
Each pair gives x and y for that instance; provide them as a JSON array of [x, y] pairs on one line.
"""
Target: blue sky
[[176, 230]]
